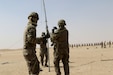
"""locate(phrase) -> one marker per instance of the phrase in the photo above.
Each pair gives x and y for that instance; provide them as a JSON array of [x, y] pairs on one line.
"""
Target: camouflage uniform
[[61, 49], [43, 48], [29, 51]]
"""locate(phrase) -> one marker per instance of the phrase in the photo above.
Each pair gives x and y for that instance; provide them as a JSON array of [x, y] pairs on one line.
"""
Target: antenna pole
[[47, 31]]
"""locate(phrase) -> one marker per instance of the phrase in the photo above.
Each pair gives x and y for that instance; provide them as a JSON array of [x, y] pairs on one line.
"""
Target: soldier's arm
[[38, 40], [56, 35], [31, 35], [60, 35], [48, 34]]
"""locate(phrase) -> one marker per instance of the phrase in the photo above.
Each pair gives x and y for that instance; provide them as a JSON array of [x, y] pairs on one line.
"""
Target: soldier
[[102, 44], [43, 47], [61, 49], [29, 51], [109, 43], [53, 42]]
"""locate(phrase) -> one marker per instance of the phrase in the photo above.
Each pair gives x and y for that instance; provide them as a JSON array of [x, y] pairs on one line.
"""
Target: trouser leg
[[57, 67], [33, 64], [42, 58], [46, 59], [65, 61]]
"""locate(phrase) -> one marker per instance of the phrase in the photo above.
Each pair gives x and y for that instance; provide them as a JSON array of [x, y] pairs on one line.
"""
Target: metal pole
[[46, 30]]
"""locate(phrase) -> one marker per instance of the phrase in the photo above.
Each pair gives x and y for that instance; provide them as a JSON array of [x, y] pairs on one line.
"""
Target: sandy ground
[[83, 61]]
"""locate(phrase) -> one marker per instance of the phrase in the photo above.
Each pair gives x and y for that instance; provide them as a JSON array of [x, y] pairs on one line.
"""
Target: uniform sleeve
[[47, 35], [57, 34], [54, 36], [38, 40], [31, 35], [60, 35]]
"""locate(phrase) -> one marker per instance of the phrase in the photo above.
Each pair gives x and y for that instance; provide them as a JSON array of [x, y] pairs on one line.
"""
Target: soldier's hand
[[54, 27]]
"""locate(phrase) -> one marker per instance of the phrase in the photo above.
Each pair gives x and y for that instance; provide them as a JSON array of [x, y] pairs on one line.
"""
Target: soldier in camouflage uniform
[[61, 49], [29, 51], [43, 48]]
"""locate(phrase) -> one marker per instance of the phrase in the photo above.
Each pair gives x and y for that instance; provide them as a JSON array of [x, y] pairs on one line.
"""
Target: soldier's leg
[[65, 61], [28, 61], [46, 59], [29, 67], [35, 68], [33, 64], [41, 58], [56, 65]]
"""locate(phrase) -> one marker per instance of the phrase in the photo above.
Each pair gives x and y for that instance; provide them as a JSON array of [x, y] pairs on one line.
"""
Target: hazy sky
[[87, 20]]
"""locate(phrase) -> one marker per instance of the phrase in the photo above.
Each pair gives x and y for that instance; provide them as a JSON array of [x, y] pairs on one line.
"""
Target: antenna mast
[[47, 31]]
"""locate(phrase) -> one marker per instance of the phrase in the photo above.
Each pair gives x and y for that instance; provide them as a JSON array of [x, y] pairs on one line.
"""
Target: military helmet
[[34, 14], [61, 22]]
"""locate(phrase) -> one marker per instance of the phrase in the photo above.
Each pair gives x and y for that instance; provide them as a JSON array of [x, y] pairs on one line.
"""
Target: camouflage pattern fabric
[[61, 50], [29, 51], [43, 48]]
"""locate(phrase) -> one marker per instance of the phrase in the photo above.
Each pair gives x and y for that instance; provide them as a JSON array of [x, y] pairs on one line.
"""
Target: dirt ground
[[83, 61]]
